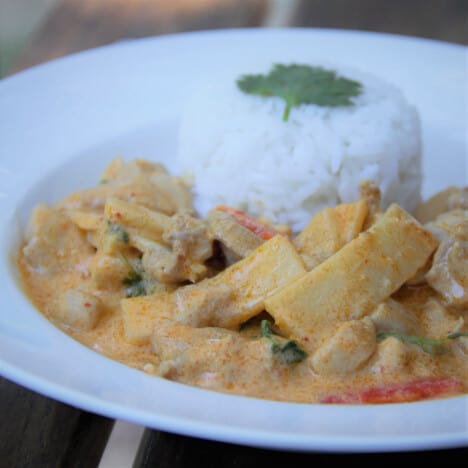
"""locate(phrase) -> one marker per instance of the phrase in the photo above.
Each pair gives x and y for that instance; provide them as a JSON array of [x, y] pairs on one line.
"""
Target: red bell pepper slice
[[401, 392], [262, 230]]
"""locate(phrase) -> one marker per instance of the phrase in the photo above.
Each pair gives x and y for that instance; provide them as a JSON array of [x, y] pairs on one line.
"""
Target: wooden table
[[39, 432]]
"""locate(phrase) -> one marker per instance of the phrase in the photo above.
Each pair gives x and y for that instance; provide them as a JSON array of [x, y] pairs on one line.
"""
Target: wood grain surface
[[76, 25], [39, 432], [164, 450], [444, 20]]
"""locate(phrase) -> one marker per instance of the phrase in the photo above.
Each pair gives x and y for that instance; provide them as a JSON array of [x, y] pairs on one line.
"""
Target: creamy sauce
[[197, 351]]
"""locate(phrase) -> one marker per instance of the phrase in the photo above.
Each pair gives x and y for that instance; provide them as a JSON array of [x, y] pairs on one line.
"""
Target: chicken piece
[[438, 322], [328, 231], [445, 227], [174, 247], [107, 271], [237, 242], [137, 182], [240, 291], [111, 238], [370, 193], [391, 316], [351, 283], [348, 349], [171, 339], [273, 265], [391, 357], [210, 357], [452, 198], [460, 345], [115, 170], [187, 246], [189, 238], [86, 220], [448, 274], [161, 263], [196, 308], [450, 224], [78, 309], [176, 194], [53, 242]]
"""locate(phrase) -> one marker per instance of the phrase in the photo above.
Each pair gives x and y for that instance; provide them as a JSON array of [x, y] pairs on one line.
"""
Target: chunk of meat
[[86, 220], [351, 283], [329, 230], [210, 357], [107, 271], [174, 247], [166, 266], [189, 240], [391, 357], [452, 198], [78, 309], [271, 266], [53, 242], [171, 340], [391, 316], [452, 224], [449, 272], [175, 193], [192, 306], [135, 182], [438, 322], [236, 240], [348, 349]]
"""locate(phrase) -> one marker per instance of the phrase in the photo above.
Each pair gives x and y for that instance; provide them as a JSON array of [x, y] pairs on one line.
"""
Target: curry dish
[[365, 305]]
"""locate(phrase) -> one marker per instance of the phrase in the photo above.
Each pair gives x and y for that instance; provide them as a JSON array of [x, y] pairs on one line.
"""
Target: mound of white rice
[[236, 150]]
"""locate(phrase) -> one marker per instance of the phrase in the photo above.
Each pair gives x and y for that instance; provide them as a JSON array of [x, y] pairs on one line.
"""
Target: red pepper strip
[[263, 231], [401, 393]]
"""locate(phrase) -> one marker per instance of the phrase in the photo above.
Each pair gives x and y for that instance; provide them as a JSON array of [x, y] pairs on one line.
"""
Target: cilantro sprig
[[117, 231], [288, 353], [302, 84], [428, 345], [134, 281]]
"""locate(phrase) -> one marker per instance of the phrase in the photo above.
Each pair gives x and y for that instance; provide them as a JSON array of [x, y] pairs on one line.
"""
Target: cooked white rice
[[237, 151]]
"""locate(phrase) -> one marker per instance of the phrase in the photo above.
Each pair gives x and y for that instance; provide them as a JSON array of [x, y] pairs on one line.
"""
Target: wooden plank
[[76, 25], [166, 450], [39, 432], [444, 20]]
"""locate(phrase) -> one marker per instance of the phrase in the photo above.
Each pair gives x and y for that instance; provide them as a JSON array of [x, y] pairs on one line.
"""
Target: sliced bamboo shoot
[[351, 283]]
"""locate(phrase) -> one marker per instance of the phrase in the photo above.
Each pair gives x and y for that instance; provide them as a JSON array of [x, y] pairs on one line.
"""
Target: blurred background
[[35, 31]]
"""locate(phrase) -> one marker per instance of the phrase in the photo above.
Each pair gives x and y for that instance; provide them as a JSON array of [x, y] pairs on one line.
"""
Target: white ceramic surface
[[62, 122]]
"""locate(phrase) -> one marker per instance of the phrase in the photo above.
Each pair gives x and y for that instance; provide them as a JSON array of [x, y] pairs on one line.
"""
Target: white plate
[[60, 125]]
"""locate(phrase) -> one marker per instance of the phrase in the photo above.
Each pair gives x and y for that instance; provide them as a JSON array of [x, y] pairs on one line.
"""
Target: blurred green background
[[19, 19]]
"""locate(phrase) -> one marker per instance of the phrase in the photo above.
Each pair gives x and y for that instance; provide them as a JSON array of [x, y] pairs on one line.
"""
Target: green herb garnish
[[428, 345], [302, 84], [117, 231], [288, 353], [135, 281]]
